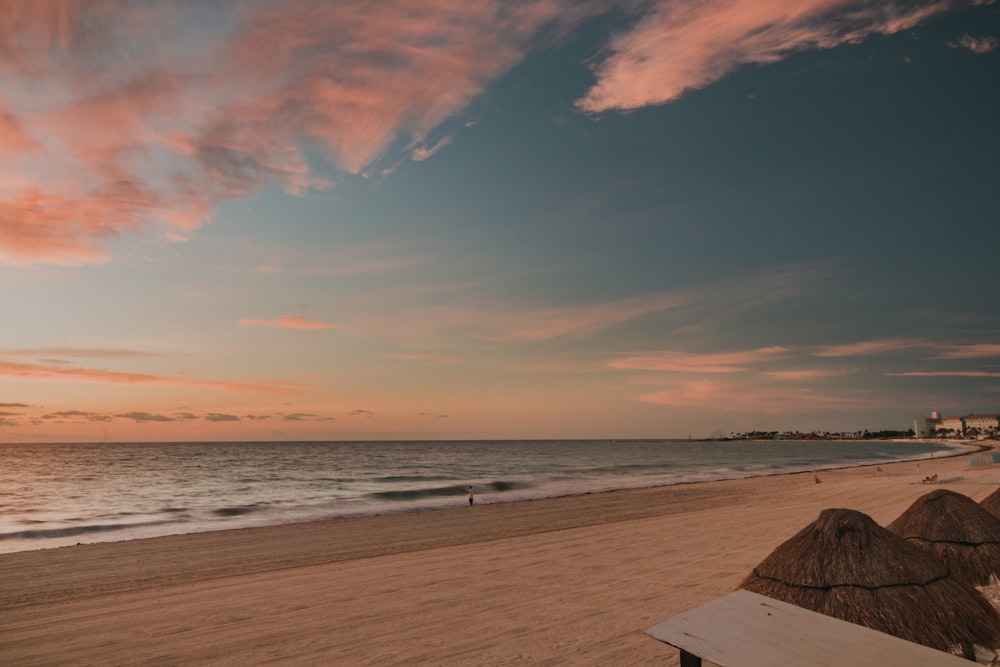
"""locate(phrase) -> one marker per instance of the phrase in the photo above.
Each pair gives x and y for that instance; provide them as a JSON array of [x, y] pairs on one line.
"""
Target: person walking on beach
[[471, 496]]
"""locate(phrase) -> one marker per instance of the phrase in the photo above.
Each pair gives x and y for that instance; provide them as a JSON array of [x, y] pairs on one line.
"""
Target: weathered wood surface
[[744, 629]]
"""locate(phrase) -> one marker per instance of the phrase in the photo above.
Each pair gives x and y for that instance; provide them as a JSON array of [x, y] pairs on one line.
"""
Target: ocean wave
[[412, 478], [630, 467], [418, 494], [45, 533], [498, 486], [502, 486], [236, 511]]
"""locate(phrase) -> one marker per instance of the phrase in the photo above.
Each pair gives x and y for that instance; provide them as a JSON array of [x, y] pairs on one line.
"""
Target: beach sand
[[564, 581]]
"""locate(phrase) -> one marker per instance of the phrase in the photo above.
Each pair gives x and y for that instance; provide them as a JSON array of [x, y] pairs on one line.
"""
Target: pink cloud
[[893, 345], [870, 347], [517, 323], [971, 351], [807, 374], [62, 373], [748, 398], [575, 321], [684, 362], [978, 45], [685, 45], [289, 322], [356, 80], [421, 153], [139, 118]]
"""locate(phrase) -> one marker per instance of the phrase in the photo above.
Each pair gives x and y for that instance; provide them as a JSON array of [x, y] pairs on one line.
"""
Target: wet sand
[[572, 580]]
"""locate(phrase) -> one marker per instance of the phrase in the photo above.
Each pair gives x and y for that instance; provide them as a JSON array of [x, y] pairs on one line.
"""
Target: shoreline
[[569, 579], [128, 533]]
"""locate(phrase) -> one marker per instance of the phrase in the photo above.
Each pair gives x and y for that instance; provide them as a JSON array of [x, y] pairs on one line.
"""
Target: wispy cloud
[[685, 362], [937, 350], [421, 153], [976, 351], [514, 322], [138, 118], [808, 374], [575, 321], [511, 323], [289, 322], [685, 45], [739, 397], [62, 373], [268, 269], [976, 44], [871, 347]]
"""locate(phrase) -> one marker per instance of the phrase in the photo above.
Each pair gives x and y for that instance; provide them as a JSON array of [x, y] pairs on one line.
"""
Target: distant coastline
[[848, 435]]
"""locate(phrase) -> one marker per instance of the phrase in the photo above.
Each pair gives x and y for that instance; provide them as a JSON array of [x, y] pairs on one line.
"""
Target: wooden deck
[[744, 629]]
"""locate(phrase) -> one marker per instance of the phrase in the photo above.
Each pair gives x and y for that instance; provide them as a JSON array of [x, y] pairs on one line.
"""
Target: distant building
[[964, 425], [925, 427]]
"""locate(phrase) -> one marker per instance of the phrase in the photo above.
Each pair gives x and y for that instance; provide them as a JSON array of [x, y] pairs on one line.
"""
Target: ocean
[[54, 495]]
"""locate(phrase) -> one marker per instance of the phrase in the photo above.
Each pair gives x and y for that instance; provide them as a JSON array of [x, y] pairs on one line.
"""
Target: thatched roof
[[991, 503], [847, 566], [957, 530]]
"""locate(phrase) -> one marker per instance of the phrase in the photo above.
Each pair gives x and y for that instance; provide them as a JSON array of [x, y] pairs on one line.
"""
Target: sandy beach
[[572, 580]]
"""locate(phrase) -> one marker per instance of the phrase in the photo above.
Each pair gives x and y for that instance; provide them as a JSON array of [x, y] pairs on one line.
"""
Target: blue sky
[[319, 220]]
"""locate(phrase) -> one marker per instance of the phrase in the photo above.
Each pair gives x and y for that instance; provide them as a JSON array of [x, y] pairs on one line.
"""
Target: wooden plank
[[744, 629]]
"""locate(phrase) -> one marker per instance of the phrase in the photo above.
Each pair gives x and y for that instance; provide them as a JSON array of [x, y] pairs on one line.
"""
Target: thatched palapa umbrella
[[847, 566], [957, 530], [991, 503]]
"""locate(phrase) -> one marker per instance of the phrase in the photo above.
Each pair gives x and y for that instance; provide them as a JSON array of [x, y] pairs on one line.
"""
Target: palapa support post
[[689, 659]]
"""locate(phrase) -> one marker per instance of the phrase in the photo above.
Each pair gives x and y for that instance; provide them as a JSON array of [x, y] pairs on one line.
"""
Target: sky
[[339, 220]]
